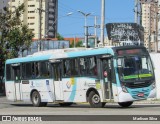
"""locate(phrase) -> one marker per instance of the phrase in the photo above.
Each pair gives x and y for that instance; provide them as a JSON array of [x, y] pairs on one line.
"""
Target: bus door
[[107, 77], [58, 85], [17, 80]]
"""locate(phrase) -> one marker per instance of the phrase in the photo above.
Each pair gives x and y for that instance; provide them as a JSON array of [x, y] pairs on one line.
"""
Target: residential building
[[39, 15], [150, 23], [108, 42], [158, 33]]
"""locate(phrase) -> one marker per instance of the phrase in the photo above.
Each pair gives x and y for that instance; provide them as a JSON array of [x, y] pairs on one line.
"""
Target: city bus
[[98, 76]]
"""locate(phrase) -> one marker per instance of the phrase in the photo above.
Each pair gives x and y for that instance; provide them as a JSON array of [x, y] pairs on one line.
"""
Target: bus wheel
[[36, 99], [103, 104], [65, 104], [125, 104], [94, 100]]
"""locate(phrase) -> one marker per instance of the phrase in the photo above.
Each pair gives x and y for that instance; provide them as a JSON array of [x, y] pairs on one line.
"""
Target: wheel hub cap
[[96, 99]]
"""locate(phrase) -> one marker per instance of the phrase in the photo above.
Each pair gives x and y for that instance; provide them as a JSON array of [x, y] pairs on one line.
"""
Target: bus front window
[[135, 68]]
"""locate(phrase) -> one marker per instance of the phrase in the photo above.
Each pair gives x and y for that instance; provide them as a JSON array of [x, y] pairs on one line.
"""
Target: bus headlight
[[153, 85], [124, 89]]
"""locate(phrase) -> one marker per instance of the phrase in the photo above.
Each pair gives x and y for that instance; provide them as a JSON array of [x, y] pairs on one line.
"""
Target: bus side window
[[16, 73], [26, 70], [82, 66], [33, 70], [74, 67], [67, 70], [37, 69], [57, 71], [8, 73], [44, 69], [71, 67], [93, 66]]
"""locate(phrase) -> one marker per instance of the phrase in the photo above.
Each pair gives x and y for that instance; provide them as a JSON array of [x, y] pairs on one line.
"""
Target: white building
[[149, 22], [158, 25], [31, 16]]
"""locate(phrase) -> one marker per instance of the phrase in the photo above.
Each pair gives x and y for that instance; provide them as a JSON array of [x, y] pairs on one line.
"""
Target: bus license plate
[[140, 94]]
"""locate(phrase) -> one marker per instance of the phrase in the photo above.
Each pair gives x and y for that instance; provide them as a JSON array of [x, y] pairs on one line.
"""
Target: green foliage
[[59, 37], [72, 44], [78, 44], [15, 36], [20, 39]]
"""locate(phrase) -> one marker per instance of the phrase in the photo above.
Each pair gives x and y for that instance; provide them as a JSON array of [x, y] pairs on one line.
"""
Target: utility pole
[[102, 21], [155, 26], [149, 30], [86, 33], [40, 25], [95, 30], [87, 37], [74, 41], [136, 11], [85, 26]]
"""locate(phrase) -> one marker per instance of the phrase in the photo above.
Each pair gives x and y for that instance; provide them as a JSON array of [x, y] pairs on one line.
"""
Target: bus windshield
[[135, 68]]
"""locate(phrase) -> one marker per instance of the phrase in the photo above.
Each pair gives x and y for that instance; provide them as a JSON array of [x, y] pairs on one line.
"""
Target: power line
[[67, 7]]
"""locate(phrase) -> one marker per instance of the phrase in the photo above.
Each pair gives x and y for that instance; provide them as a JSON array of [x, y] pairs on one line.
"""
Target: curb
[[135, 102], [147, 102]]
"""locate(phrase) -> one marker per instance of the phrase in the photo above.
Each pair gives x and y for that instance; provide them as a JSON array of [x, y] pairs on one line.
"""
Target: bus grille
[[138, 85], [135, 94]]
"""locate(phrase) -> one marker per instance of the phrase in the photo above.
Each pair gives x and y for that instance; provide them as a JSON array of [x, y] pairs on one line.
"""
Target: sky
[[73, 25]]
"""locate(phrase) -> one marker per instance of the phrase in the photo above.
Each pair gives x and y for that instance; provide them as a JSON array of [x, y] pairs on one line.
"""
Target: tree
[[59, 37], [71, 44], [20, 43], [78, 44], [15, 36]]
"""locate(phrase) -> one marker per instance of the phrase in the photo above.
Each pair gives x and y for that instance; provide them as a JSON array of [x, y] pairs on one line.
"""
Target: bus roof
[[61, 53]]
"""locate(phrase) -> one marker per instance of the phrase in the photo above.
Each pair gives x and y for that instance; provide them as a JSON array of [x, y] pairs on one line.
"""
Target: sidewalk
[[150, 101]]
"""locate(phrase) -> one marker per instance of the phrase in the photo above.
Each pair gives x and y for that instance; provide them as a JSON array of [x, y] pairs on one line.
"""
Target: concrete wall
[[156, 60]]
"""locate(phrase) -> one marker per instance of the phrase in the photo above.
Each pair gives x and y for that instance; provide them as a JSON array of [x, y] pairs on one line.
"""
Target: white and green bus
[[96, 75]]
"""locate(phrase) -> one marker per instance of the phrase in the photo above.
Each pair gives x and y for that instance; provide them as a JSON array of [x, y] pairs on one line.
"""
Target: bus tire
[[36, 99], [94, 100], [125, 104], [65, 104], [103, 104]]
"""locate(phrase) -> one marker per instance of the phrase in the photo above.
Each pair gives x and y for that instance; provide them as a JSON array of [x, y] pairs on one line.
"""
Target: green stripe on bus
[[136, 76], [145, 75], [130, 77]]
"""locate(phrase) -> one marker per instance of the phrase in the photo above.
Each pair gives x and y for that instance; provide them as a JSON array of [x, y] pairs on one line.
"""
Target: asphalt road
[[10, 108]]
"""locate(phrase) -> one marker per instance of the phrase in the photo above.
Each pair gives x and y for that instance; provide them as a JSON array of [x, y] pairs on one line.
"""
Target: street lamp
[[102, 20], [85, 26], [52, 26]]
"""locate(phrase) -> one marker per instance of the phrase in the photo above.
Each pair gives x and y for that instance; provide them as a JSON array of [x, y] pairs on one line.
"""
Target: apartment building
[[39, 15], [158, 26], [3, 3], [150, 23]]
